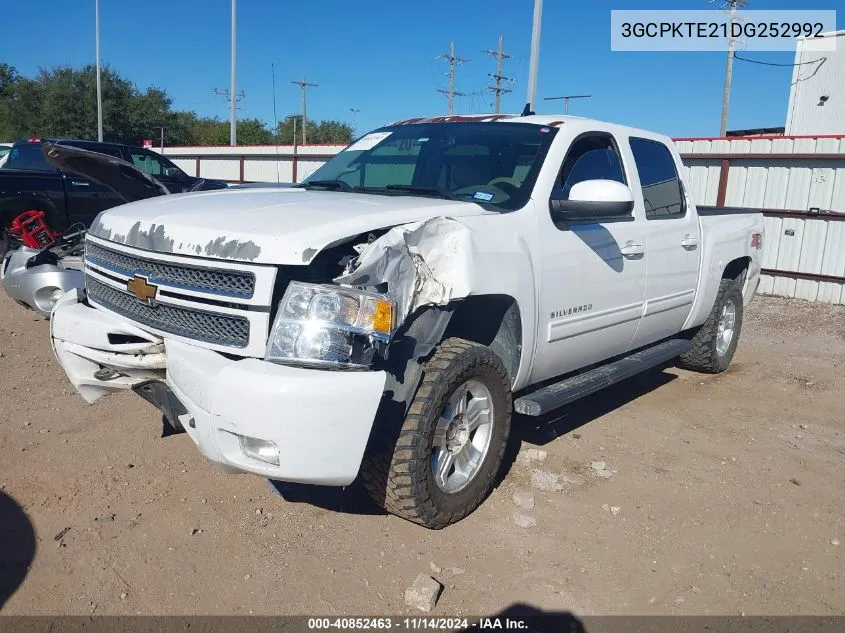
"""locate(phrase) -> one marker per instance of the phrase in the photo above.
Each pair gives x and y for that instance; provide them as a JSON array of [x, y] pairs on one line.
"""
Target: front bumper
[[34, 286], [319, 421]]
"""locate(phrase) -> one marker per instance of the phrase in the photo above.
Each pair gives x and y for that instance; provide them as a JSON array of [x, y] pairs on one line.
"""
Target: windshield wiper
[[328, 184], [429, 191]]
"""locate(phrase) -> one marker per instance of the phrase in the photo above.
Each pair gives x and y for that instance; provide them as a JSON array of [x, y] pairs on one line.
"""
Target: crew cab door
[[591, 276], [672, 240]]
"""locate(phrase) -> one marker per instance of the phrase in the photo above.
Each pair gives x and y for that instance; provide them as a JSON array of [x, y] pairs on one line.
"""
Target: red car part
[[33, 231]]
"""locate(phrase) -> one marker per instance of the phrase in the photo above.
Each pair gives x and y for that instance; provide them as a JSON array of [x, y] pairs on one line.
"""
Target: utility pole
[[99, 86], [497, 89], [566, 99], [732, 6], [453, 62], [302, 83], [233, 113], [534, 61], [227, 94]]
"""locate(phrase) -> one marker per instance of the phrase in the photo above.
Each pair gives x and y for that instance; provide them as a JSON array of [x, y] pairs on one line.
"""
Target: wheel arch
[[737, 268], [493, 320]]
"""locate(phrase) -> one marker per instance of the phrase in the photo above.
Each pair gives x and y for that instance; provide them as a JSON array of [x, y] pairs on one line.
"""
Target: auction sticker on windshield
[[368, 142]]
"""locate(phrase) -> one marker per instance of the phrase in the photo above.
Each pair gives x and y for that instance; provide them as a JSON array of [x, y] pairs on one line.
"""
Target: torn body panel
[[443, 260], [86, 341], [423, 264]]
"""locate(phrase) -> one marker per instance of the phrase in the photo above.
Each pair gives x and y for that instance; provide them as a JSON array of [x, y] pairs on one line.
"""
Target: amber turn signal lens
[[383, 316]]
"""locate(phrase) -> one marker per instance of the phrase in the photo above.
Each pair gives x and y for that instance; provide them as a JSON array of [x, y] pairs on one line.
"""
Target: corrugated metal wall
[[818, 73], [787, 177]]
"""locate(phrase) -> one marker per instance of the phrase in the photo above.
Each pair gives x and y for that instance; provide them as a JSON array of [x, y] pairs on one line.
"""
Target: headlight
[[329, 326]]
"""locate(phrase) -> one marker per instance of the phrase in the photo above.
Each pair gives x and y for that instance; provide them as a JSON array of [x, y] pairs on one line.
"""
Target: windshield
[[485, 162], [27, 156]]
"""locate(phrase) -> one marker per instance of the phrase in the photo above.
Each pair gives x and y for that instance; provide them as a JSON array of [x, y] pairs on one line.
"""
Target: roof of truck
[[551, 120], [548, 120]]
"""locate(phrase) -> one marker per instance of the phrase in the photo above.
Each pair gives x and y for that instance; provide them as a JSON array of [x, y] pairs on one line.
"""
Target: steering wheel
[[505, 180], [511, 188]]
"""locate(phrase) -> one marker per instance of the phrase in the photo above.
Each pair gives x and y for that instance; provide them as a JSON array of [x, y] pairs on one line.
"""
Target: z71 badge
[[567, 311]]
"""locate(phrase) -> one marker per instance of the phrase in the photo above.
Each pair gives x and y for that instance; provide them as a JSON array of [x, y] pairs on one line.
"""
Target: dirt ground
[[720, 495]]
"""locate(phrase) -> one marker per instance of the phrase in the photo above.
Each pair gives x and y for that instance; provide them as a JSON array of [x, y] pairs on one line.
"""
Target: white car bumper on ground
[[313, 424]]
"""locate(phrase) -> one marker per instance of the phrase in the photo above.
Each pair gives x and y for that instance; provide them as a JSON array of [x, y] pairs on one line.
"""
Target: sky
[[380, 57]]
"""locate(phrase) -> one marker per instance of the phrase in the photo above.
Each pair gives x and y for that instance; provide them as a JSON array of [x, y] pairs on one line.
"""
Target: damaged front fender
[[440, 262], [422, 263]]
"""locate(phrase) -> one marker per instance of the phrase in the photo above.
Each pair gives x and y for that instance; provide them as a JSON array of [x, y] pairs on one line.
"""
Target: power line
[[227, 94], [497, 88], [453, 62], [756, 61], [304, 85]]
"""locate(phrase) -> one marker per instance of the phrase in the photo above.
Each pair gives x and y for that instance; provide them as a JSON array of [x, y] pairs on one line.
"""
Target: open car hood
[[129, 182]]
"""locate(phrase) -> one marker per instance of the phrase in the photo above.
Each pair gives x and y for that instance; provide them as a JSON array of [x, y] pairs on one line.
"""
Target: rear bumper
[[319, 421]]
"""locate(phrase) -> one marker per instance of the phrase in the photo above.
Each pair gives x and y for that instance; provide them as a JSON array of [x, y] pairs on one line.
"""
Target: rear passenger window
[[662, 192], [592, 157]]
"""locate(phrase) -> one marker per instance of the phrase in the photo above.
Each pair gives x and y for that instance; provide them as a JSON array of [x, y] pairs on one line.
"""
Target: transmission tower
[[453, 62], [499, 79]]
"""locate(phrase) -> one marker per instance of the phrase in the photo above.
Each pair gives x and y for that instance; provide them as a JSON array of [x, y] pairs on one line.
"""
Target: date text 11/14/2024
[[421, 623]]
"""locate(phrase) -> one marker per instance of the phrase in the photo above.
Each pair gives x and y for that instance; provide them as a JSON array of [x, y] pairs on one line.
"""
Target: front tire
[[451, 443], [713, 346]]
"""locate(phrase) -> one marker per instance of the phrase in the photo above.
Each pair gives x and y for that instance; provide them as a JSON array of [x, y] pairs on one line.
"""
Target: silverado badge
[[142, 289]]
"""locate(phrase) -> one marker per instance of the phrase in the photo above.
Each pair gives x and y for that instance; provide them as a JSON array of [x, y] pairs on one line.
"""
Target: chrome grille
[[211, 327], [233, 283]]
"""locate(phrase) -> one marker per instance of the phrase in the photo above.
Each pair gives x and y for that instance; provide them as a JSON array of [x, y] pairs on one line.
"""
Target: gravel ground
[[716, 495]]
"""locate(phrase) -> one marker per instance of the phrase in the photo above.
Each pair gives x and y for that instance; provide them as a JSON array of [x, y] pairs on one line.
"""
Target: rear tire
[[713, 346], [451, 443]]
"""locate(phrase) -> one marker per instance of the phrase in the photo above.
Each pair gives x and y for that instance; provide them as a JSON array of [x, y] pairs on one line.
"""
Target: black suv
[[29, 181]]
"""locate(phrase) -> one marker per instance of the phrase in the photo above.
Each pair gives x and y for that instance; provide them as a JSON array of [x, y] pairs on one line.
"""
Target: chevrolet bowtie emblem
[[142, 289]]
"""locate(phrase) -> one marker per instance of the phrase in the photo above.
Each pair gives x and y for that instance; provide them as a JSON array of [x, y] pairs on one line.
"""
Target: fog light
[[262, 450], [57, 294]]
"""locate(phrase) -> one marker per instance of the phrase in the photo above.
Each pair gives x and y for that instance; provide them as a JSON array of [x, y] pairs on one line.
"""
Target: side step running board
[[571, 389]]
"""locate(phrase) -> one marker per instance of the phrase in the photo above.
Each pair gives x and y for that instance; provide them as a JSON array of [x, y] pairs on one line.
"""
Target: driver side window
[[148, 163], [591, 157]]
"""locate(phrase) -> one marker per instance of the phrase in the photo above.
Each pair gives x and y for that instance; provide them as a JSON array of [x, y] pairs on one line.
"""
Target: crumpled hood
[[265, 226]]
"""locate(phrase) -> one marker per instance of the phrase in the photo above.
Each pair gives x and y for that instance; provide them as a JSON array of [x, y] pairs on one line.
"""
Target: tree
[[335, 132], [329, 132], [62, 102], [253, 132]]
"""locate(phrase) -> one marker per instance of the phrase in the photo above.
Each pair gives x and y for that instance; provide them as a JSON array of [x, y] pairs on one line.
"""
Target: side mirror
[[172, 172], [594, 201]]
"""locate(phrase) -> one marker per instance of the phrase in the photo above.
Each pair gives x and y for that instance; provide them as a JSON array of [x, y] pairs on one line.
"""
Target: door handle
[[689, 241], [80, 183], [632, 250]]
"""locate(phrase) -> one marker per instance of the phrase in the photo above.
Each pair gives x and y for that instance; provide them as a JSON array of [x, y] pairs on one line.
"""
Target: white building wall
[[811, 81]]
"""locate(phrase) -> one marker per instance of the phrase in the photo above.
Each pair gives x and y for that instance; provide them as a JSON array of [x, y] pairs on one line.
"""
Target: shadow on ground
[[540, 430], [351, 499], [546, 428], [528, 619], [17, 546]]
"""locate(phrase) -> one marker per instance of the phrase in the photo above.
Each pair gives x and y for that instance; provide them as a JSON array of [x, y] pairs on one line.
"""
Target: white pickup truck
[[384, 319]]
